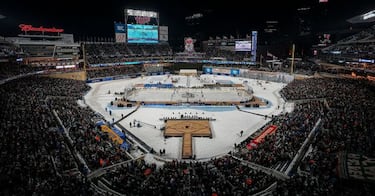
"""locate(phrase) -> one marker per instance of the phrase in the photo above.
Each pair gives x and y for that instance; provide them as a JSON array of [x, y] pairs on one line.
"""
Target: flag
[[217, 37], [231, 37], [225, 37]]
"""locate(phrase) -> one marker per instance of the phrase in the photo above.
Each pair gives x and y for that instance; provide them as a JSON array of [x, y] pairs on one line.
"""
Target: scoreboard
[[142, 26]]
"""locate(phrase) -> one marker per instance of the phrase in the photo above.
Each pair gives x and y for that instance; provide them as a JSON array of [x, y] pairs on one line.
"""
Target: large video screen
[[243, 46], [146, 34]]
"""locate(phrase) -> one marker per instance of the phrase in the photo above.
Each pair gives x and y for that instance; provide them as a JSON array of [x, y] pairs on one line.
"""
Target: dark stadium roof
[[367, 17]]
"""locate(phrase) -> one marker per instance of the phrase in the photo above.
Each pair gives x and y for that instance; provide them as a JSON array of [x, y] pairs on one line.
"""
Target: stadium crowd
[[114, 71], [228, 55], [38, 158], [94, 145], [347, 126], [278, 149], [349, 50], [35, 157], [33, 141], [100, 53], [219, 176], [8, 70]]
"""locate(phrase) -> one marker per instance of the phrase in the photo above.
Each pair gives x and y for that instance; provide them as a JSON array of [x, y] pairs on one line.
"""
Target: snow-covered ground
[[226, 128]]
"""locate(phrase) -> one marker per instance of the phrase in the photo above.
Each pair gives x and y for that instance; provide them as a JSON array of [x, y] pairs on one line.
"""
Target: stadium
[[131, 115]]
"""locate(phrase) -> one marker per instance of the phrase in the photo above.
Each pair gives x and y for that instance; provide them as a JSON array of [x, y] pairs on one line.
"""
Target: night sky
[[233, 17]]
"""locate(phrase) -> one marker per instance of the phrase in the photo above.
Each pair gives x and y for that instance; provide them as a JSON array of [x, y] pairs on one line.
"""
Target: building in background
[[47, 47]]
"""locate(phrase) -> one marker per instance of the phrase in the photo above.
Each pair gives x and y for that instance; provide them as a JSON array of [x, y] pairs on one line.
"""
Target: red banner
[[254, 143]]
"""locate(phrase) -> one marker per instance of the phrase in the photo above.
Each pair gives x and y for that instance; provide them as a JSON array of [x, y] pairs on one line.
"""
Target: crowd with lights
[[50, 144]]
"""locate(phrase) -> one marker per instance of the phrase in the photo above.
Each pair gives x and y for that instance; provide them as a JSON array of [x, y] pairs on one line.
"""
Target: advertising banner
[[163, 33], [268, 131], [120, 32]]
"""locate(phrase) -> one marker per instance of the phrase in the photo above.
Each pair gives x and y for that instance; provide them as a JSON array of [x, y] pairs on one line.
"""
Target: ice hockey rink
[[226, 127]]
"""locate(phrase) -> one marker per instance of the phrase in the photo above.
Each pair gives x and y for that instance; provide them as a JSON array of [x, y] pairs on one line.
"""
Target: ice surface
[[226, 128]]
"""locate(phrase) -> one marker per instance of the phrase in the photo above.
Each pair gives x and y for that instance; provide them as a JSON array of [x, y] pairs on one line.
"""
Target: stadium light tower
[[292, 64]]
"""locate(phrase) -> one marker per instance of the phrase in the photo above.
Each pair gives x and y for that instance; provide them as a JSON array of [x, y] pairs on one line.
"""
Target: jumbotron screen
[[243, 46], [146, 34]]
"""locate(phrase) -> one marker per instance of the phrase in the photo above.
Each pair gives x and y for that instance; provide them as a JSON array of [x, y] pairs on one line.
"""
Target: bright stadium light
[[132, 12], [368, 15], [363, 18]]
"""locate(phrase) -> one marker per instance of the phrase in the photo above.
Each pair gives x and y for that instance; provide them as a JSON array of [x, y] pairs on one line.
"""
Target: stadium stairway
[[281, 166], [267, 170]]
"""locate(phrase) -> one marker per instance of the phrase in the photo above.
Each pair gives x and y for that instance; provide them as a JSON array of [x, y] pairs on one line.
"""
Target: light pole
[[291, 67]]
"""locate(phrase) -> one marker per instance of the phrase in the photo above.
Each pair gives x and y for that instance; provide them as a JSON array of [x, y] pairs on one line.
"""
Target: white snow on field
[[226, 128]]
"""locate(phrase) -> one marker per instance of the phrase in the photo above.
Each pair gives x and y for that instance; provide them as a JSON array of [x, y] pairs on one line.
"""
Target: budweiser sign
[[25, 28]]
